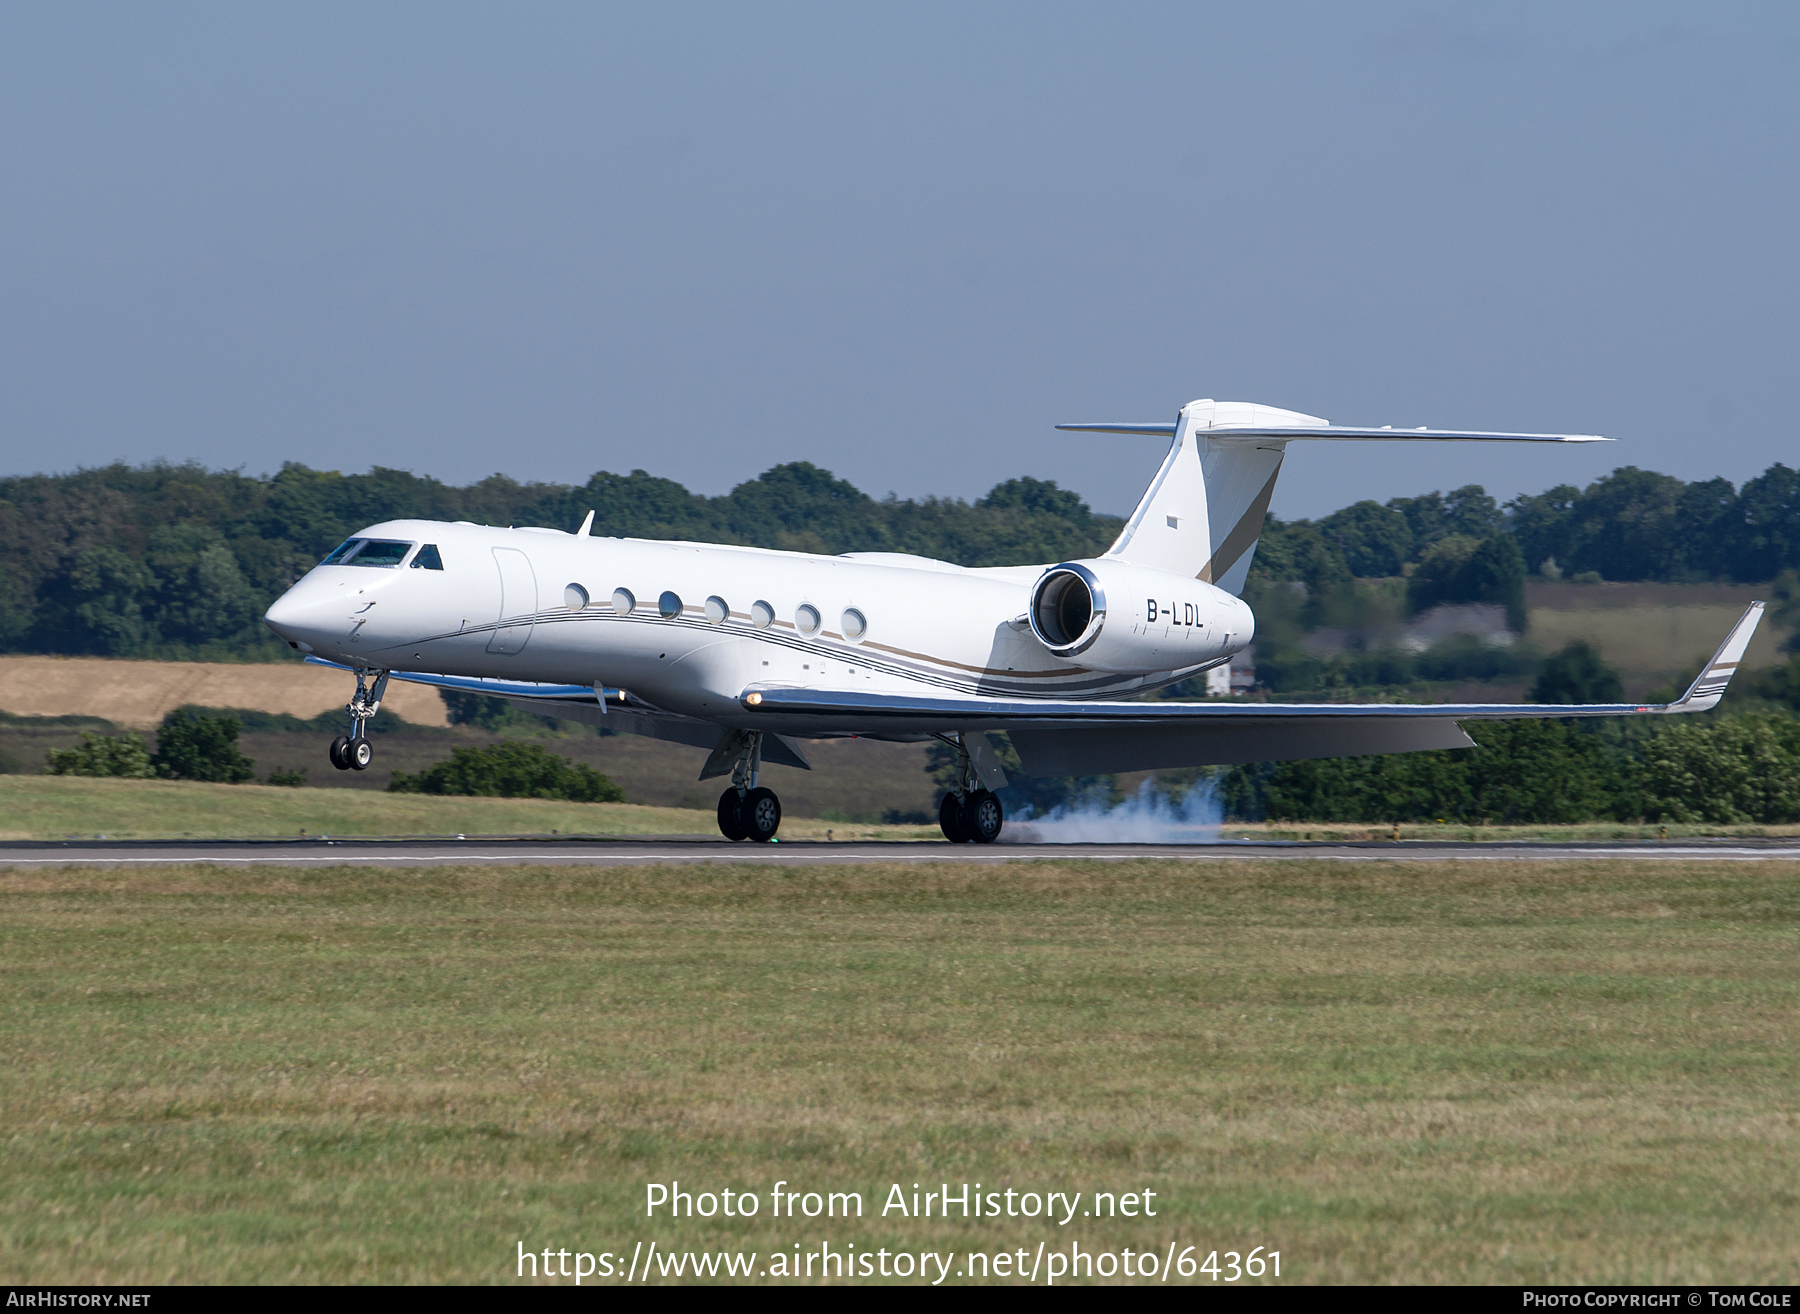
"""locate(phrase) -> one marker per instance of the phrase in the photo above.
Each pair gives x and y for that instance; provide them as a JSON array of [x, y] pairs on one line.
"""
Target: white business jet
[[746, 651]]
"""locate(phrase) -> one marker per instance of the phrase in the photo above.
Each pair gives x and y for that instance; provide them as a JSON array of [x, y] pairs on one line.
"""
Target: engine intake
[[1068, 609], [1157, 621]]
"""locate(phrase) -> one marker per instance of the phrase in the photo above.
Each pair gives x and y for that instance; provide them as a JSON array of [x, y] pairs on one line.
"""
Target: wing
[[1083, 738]]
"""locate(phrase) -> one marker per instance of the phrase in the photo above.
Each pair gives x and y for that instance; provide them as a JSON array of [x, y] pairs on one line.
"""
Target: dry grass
[[62, 807], [139, 694], [1654, 644], [1407, 1072]]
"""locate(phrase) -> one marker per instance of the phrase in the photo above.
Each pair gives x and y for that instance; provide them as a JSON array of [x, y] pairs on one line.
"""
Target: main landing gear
[[969, 813], [354, 752], [746, 810]]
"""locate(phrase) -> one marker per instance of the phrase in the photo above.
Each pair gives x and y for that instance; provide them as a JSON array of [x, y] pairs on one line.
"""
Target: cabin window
[[717, 609], [378, 552], [575, 598], [762, 615], [855, 624], [806, 618], [624, 600], [428, 558], [668, 606], [341, 551]]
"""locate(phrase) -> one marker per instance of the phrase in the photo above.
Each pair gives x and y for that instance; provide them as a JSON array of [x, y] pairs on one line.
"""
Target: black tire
[[760, 815], [361, 752], [731, 825], [950, 820], [982, 817], [338, 750]]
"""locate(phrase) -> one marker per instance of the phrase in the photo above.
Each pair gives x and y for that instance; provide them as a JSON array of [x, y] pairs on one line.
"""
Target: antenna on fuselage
[[586, 525]]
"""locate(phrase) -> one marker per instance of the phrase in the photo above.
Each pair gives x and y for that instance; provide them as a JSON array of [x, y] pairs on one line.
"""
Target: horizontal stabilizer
[[1337, 433]]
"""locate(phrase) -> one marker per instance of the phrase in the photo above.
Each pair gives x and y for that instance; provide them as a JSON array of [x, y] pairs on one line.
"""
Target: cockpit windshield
[[368, 552], [380, 552]]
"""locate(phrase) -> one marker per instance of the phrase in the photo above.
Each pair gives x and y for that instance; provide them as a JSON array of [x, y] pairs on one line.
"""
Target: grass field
[[1651, 633], [76, 807], [1520, 1072], [68, 807]]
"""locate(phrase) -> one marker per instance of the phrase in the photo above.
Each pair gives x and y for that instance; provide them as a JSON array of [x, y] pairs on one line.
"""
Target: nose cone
[[286, 618], [302, 616]]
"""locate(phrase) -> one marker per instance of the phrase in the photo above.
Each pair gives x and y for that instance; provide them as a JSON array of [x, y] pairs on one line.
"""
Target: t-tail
[[1203, 513]]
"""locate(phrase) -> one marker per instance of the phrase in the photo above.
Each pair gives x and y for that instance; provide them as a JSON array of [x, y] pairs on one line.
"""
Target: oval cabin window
[[806, 618], [624, 601], [575, 598], [716, 610], [669, 605], [855, 624], [762, 615]]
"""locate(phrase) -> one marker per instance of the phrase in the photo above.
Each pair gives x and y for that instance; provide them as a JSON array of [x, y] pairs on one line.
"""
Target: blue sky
[[901, 242]]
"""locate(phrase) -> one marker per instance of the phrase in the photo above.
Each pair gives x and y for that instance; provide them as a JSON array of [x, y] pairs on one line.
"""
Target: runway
[[642, 850]]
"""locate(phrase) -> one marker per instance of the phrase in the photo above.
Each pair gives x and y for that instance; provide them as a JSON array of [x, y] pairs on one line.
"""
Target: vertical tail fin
[[1204, 510]]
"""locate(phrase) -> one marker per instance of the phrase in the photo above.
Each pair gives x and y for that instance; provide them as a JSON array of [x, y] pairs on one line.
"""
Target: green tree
[[1467, 511], [103, 755], [1541, 523], [510, 770], [113, 594], [1374, 539], [1577, 675], [1463, 569], [1766, 536], [192, 746], [1038, 497], [1738, 769]]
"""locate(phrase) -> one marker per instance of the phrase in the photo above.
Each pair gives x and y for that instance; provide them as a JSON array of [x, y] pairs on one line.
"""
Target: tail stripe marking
[[1243, 535]]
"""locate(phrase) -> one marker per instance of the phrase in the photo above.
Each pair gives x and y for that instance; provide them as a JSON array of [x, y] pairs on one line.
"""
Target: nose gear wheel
[[354, 752]]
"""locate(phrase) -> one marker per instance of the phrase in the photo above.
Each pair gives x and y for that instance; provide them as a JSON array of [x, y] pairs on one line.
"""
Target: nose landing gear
[[746, 810], [969, 814], [354, 752]]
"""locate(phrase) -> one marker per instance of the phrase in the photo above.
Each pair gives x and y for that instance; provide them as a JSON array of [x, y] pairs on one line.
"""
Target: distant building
[[1235, 677]]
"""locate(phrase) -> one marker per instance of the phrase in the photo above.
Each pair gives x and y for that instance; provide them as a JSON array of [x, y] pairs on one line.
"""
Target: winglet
[[586, 525], [1709, 685]]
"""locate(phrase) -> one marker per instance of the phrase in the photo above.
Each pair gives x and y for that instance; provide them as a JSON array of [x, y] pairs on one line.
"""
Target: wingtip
[[1709, 686]]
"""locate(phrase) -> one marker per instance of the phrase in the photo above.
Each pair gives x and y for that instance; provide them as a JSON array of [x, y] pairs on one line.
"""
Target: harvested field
[[1495, 1072], [1651, 633], [138, 695]]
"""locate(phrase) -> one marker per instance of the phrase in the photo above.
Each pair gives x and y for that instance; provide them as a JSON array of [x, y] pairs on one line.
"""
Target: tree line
[[178, 561], [1629, 525], [1732, 769]]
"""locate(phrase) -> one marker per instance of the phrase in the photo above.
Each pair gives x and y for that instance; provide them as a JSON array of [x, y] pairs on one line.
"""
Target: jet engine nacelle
[[1113, 616]]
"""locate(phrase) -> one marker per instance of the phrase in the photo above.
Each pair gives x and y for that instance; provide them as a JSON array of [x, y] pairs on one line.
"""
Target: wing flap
[[1118, 748]]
